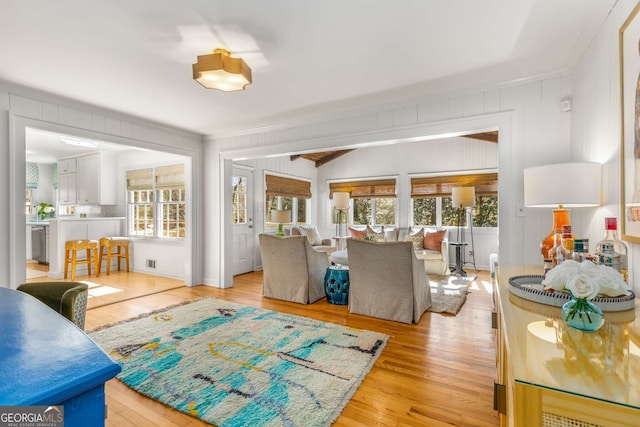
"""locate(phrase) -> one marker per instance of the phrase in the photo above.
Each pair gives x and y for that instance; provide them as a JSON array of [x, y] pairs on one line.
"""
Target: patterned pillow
[[433, 240], [358, 234], [417, 239], [312, 234], [376, 236]]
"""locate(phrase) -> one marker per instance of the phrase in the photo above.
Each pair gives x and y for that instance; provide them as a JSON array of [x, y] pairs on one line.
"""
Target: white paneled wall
[[23, 107], [300, 168], [533, 131], [595, 126], [402, 160]]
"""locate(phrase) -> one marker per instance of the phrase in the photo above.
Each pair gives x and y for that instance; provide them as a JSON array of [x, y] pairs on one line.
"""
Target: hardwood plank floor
[[439, 372]]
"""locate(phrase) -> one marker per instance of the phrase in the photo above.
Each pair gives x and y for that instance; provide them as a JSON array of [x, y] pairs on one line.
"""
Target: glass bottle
[[560, 218], [609, 257], [562, 252], [579, 253], [557, 242], [611, 236]]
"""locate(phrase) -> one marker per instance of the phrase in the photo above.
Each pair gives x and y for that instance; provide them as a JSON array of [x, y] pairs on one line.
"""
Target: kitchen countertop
[[38, 222], [89, 218]]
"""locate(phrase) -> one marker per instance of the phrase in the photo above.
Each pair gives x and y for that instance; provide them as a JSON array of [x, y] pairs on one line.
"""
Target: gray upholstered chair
[[67, 298], [387, 281], [292, 269]]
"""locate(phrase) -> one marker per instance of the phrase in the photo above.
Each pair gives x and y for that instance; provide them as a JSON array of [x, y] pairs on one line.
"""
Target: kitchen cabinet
[[551, 374], [96, 180], [67, 188], [66, 166]]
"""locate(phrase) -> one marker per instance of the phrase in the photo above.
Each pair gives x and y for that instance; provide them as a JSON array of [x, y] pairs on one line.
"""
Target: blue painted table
[[336, 284], [46, 360]]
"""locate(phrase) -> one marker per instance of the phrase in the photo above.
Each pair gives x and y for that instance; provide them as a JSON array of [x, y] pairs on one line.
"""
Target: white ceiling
[[307, 56]]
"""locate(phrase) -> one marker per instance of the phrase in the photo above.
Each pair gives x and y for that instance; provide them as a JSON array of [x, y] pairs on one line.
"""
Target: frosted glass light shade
[[563, 184], [463, 197], [341, 200], [280, 216]]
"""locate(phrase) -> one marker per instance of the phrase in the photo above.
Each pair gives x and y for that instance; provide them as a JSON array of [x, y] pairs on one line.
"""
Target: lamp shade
[[280, 216], [463, 197], [341, 200], [563, 184]]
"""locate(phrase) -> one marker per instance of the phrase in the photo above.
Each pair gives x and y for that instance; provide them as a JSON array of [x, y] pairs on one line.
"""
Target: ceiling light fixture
[[219, 70], [78, 142]]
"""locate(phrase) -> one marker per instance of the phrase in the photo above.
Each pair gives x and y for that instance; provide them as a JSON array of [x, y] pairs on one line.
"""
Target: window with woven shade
[[374, 200], [431, 199], [285, 193]]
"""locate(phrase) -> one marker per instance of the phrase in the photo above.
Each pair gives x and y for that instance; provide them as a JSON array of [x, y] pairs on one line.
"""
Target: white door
[[242, 220]]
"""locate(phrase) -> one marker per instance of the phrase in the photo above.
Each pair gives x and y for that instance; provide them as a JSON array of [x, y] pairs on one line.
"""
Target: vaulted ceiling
[[324, 157]]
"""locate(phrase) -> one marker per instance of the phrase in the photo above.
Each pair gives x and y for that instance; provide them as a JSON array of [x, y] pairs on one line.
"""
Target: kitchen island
[[73, 228]]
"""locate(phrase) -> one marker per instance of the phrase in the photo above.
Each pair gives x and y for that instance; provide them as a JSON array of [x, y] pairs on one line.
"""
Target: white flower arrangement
[[45, 209], [586, 280]]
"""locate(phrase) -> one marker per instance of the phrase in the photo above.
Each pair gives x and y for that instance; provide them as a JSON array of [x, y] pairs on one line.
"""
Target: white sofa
[[313, 236], [436, 261]]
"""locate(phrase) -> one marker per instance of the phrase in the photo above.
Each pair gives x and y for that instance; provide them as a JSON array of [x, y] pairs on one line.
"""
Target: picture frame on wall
[[629, 45]]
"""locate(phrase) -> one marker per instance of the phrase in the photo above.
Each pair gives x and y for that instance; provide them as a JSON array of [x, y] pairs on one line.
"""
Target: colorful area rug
[[449, 293], [234, 365]]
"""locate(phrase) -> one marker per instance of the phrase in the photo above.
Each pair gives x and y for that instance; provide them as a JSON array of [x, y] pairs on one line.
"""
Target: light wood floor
[[439, 372]]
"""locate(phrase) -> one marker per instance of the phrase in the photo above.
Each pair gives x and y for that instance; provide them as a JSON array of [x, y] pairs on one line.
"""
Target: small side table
[[336, 284], [458, 271]]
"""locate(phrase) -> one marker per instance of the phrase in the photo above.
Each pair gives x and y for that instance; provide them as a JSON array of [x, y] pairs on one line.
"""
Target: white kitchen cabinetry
[[96, 181], [67, 188], [66, 166]]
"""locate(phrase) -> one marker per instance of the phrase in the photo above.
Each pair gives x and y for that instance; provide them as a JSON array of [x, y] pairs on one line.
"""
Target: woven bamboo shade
[[287, 187], [439, 186], [365, 189], [140, 179], [170, 176]]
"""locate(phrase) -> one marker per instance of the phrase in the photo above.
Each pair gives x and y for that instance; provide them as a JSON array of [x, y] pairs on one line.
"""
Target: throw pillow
[[376, 236], [433, 240], [417, 239], [358, 234], [312, 234]]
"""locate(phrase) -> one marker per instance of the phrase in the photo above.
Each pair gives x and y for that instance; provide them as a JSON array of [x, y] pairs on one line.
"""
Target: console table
[[550, 374], [45, 360]]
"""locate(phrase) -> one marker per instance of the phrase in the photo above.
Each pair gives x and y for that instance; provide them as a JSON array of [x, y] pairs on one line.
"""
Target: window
[[287, 194], [239, 199], [156, 199], [374, 201], [431, 200]]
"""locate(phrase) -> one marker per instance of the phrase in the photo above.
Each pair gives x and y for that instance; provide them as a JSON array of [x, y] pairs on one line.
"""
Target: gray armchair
[[67, 298], [387, 281], [292, 269]]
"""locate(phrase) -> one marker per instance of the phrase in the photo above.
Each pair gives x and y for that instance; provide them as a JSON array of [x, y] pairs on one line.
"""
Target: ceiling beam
[[484, 136], [332, 156]]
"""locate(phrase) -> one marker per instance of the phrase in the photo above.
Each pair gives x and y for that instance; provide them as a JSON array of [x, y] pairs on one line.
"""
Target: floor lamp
[[341, 204], [462, 198]]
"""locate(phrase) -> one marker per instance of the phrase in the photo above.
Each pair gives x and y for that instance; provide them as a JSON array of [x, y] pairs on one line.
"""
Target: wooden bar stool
[[110, 243], [72, 247]]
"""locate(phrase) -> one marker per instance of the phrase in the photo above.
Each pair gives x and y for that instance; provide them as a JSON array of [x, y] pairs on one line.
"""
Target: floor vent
[[151, 263]]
